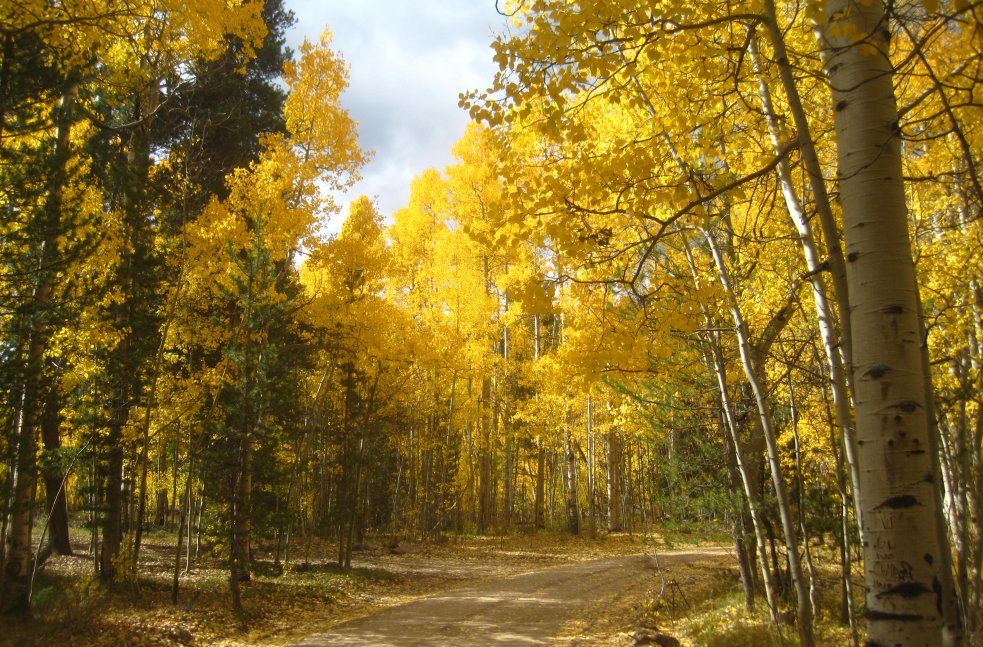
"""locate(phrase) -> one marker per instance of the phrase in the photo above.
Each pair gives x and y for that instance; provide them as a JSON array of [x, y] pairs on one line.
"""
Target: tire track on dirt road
[[526, 609]]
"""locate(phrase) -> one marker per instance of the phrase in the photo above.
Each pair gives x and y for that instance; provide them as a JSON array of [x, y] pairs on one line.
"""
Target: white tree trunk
[[902, 554], [570, 474], [755, 377], [824, 310], [614, 474], [718, 365]]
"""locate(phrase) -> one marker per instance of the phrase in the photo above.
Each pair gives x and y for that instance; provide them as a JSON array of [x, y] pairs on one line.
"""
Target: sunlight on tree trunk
[[897, 496]]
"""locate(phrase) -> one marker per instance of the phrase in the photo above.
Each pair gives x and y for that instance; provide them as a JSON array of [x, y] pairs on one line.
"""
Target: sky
[[409, 59]]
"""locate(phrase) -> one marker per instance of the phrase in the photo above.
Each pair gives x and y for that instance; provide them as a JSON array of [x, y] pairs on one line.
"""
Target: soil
[[560, 605], [544, 588]]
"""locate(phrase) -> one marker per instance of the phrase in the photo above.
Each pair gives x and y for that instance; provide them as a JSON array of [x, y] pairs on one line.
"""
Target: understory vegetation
[[706, 266], [696, 599]]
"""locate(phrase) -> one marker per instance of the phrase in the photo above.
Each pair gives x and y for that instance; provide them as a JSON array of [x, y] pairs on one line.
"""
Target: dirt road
[[527, 609]]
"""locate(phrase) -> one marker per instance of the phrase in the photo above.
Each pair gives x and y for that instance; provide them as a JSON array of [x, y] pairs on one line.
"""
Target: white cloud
[[409, 62]]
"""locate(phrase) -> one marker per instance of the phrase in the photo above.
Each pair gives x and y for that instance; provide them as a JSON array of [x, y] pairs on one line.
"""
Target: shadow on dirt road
[[527, 609]]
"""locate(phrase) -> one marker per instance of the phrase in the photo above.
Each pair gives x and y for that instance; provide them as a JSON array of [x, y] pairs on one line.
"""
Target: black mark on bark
[[898, 502], [877, 372], [872, 614], [905, 590], [908, 406]]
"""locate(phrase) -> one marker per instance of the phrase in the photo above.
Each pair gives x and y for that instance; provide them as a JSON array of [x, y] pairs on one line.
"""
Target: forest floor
[[695, 598], [564, 604]]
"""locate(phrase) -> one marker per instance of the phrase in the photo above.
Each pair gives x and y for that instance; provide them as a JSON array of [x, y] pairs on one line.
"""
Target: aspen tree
[[902, 556]]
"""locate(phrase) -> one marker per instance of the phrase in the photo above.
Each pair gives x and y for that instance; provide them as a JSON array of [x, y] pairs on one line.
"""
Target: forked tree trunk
[[744, 470], [754, 372], [815, 178], [719, 368], [903, 556], [827, 321]]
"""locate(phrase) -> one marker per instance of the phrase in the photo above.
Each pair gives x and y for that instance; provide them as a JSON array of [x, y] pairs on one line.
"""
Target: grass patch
[[281, 604], [714, 612]]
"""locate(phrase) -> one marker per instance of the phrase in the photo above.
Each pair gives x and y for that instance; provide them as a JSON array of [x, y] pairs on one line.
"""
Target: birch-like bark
[[751, 495], [817, 182], [615, 485], [753, 371], [800, 495], [570, 474], [898, 499], [824, 311]]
